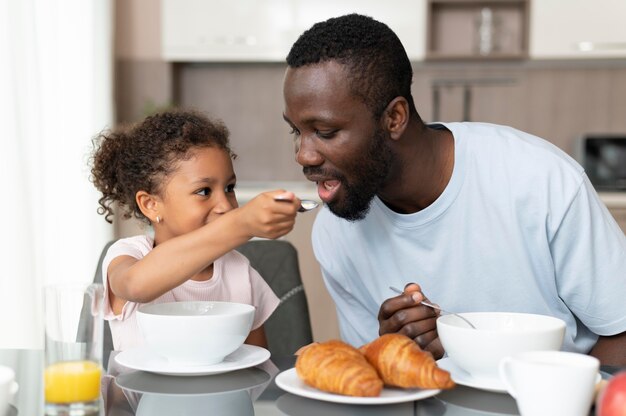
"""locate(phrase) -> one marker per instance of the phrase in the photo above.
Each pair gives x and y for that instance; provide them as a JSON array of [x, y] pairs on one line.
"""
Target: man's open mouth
[[327, 190]]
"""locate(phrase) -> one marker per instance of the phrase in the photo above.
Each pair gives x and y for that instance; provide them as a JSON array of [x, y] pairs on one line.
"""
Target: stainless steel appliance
[[604, 160]]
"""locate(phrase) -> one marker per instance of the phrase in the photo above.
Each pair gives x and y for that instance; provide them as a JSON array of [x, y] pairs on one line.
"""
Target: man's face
[[338, 142]]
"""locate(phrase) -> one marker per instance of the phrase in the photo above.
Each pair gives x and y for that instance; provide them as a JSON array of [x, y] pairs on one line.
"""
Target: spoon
[[305, 204], [430, 305]]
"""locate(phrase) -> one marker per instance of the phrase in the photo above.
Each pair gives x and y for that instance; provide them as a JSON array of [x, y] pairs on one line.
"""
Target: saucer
[[143, 359], [289, 381], [462, 377]]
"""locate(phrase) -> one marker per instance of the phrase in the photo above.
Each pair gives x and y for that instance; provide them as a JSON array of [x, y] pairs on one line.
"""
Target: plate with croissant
[[390, 369]]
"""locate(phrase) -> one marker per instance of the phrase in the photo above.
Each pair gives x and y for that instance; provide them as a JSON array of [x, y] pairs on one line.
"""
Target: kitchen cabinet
[[223, 30], [477, 29], [577, 29], [264, 30]]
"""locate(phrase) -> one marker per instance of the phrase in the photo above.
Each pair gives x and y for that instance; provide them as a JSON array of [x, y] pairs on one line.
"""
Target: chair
[[289, 327], [81, 336], [107, 339]]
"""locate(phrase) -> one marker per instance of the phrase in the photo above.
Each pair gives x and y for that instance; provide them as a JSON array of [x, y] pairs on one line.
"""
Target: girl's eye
[[294, 131], [204, 192], [230, 188]]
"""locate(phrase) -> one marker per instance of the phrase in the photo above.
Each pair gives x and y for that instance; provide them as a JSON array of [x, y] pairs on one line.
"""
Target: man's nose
[[307, 153]]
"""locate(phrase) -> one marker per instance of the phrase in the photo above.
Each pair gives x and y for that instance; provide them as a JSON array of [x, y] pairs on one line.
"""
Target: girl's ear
[[396, 117], [149, 205]]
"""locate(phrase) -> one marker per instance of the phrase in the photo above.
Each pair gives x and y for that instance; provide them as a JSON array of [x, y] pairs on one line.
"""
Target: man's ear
[[149, 205], [396, 117]]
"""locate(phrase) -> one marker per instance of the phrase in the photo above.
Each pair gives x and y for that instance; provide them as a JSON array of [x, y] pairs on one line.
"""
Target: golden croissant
[[337, 367], [401, 362]]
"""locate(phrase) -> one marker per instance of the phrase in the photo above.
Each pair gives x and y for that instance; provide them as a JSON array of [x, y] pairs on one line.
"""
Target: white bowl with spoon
[[497, 335]]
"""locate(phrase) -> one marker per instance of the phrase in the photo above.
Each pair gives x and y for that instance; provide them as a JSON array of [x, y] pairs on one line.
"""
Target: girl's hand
[[405, 314], [266, 217]]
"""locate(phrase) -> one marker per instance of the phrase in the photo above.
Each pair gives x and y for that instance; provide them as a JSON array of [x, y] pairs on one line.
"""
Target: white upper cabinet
[[264, 30], [226, 30], [581, 29]]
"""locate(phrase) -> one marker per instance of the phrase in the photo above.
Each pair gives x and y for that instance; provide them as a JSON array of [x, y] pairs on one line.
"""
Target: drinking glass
[[73, 321]]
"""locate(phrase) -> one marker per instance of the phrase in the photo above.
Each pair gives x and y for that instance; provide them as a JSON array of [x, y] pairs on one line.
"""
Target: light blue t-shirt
[[518, 228]]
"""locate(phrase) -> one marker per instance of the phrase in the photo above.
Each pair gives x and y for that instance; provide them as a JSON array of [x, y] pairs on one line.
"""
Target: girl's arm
[[257, 337], [176, 260]]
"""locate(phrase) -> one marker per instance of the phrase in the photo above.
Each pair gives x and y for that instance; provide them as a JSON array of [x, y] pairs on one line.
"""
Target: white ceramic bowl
[[195, 333], [497, 335]]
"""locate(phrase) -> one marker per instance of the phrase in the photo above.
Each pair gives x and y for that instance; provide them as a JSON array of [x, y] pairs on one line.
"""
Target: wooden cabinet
[[579, 29], [477, 29]]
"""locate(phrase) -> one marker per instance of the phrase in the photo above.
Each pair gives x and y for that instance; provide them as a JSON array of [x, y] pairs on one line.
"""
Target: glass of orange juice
[[73, 321]]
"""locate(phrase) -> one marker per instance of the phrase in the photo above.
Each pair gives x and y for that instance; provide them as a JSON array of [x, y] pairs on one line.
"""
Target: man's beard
[[370, 175]]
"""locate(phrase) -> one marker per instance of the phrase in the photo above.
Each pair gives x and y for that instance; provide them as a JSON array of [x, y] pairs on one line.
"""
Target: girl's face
[[198, 191]]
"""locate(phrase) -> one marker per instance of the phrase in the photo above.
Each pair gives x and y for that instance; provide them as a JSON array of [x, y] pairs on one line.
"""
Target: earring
[[158, 219]]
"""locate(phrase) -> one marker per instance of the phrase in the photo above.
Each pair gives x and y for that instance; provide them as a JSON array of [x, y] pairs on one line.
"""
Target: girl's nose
[[225, 204], [306, 152]]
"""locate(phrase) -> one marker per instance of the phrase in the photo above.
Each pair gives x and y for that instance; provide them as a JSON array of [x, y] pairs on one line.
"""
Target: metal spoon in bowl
[[430, 305], [305, 204]]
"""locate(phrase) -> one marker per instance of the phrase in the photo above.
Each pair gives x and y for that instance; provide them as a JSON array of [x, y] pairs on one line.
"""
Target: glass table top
[[249, 391]]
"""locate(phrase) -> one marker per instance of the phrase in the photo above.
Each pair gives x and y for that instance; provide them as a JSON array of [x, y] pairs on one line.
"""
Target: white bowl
[[497, 335], [195, 333]]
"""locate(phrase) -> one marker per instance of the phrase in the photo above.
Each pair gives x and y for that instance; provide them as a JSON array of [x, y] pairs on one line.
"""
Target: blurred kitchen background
[[553, 68]]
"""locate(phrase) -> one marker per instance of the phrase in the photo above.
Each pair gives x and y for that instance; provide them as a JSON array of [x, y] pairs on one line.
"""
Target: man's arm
[[611, 350]]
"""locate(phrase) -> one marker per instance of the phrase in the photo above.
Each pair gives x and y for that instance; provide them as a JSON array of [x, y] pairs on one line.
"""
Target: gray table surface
[[249, 391]]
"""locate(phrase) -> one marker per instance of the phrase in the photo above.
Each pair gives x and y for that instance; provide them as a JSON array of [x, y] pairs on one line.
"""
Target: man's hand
[[404, 314]]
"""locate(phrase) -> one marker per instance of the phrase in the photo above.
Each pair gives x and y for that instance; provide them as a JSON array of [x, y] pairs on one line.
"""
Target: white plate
[[144, 359], [290, 382], [462, 377]]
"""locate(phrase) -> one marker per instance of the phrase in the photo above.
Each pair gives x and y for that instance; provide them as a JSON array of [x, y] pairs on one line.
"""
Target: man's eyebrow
[[310, 120]]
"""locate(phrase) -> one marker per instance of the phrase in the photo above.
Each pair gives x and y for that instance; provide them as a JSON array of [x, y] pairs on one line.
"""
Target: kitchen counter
[[613, 200]]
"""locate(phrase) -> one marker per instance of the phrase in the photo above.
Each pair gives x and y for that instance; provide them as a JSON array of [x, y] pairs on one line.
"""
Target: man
[[482, 217]]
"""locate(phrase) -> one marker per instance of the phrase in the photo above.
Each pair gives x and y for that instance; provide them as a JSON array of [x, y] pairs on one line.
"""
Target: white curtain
[[56, 93]]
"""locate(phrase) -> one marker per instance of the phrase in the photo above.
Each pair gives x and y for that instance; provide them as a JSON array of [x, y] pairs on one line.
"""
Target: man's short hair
[[378, 66]]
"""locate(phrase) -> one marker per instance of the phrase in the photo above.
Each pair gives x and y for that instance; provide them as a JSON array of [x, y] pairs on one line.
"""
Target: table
[[250, 391]]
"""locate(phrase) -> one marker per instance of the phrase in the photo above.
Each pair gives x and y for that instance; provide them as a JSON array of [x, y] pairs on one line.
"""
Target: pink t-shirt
[[234, 280]]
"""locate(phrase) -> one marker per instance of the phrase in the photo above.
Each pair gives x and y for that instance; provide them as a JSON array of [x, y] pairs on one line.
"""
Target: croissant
[[337, 367], [401, 362]]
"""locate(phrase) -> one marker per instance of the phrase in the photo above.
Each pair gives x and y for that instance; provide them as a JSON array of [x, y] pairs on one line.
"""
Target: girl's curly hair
[[141, 156]]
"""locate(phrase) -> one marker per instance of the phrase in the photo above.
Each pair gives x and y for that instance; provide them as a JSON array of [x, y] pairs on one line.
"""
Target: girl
[[174, 171]]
